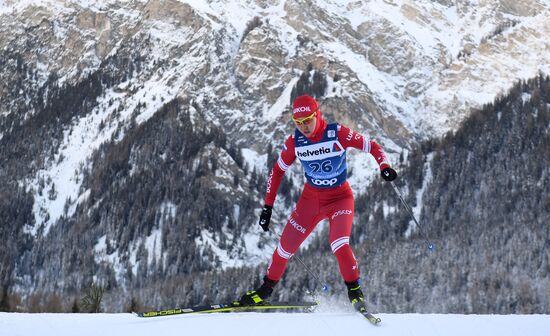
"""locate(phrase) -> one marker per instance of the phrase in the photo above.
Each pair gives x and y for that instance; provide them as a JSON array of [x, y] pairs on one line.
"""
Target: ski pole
[[409, 210], [324, 286]]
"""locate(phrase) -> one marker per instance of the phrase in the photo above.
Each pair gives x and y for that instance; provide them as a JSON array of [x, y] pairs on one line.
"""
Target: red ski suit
[[315, 204]]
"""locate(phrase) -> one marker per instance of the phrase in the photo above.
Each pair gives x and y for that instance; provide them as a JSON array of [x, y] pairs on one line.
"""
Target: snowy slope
[[318, 324]]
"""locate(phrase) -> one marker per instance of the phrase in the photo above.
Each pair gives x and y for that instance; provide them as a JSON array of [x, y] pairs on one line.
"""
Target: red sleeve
[[286, 158], [349, 138]]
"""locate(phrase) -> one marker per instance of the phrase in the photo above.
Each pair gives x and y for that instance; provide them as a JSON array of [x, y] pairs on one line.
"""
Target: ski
[[371, 318], [229, 307]]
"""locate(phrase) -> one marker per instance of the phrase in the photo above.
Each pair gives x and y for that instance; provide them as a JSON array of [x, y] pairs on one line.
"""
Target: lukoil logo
[[324, 182], [297, 226], [301, 109]]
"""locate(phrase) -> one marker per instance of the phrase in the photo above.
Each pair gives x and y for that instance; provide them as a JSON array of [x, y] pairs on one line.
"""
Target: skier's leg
[[341, 220], [301, 223]]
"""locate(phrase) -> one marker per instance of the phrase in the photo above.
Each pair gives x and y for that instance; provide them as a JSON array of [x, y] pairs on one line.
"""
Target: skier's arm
[[349, 138], [286, 158]]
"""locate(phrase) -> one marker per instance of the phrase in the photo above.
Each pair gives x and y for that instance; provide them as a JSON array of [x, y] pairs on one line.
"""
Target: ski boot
[[355, 296], [259, 295]]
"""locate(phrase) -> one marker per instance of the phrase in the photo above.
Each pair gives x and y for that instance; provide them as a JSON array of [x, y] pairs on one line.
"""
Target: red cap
[[304, 106]]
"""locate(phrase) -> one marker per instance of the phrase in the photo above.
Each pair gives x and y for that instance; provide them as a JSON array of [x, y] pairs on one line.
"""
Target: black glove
[[388, 174], [265, 217]]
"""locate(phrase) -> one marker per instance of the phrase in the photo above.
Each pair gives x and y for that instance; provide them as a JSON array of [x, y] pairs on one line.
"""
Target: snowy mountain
[[136, 135]]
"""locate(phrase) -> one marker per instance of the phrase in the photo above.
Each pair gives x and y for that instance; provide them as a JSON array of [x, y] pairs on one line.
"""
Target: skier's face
[[306, 125]]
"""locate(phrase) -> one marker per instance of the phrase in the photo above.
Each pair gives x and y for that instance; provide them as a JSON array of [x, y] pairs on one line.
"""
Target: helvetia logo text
[[324, 182], [308, 153]]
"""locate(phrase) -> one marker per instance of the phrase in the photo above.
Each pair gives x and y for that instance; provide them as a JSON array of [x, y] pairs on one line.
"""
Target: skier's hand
[[388, 174], [265, 217]]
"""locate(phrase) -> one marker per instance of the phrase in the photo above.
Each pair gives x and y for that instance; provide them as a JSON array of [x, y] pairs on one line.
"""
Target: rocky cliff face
[[83, 82]]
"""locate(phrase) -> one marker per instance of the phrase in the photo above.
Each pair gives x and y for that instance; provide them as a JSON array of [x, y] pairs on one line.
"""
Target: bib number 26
[[325, 166]]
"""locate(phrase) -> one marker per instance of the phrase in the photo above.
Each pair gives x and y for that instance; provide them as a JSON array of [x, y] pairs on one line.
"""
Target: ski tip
[[325, 288], [374, 320]]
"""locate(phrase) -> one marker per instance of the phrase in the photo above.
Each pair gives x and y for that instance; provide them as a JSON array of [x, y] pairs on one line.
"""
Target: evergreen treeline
[[41, 111], [169, 155], [311, 84], [161, 176], [16, 212]]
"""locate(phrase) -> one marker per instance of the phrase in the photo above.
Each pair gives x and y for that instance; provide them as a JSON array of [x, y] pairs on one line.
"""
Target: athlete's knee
[[346, 262], [338, 244], [279, 261], [281, 252]]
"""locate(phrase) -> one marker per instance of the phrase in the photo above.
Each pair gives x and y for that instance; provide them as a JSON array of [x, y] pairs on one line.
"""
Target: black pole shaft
[[409, 210], [324, 286]]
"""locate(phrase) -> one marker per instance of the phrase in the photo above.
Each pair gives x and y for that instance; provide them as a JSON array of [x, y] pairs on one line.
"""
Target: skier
[[321, 149]]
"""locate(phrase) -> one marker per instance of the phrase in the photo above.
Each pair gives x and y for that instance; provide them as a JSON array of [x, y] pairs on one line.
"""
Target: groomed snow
[[267, 324]]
